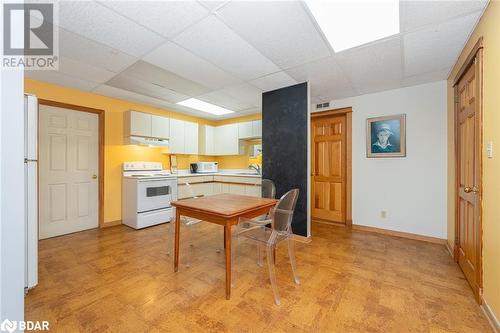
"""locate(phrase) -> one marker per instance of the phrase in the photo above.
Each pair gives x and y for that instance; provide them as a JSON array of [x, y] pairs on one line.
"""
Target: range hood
[[143, 141]]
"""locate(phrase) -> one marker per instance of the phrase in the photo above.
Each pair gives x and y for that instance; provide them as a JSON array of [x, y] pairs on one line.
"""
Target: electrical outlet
[[383, 214]]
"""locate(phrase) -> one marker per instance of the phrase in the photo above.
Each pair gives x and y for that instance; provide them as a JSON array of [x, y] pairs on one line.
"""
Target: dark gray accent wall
[[284, 145]]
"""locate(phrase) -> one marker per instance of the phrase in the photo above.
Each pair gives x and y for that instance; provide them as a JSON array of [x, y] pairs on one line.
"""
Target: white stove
[[147, 193], [145, 170]]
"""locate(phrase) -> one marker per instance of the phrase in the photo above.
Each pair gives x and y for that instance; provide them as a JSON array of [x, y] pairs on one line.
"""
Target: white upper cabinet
[[250, 129], [190, 138], [206, 140], [148, 125], [137, 124], [160, 127], [257, 128], [183, 137], [176, 142], [245, 130], [226, 141]]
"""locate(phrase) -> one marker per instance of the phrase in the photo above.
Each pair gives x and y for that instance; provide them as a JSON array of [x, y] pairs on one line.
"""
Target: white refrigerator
[[31, 190]]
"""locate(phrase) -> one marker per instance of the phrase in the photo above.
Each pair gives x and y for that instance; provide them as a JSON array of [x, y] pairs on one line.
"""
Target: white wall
[[411, 189], [12, 196]]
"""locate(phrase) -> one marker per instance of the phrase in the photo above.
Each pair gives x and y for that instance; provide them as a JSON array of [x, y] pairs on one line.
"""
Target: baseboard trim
[[492, 319], [401, 234], [111, 224], [302, 239], [320, 221]]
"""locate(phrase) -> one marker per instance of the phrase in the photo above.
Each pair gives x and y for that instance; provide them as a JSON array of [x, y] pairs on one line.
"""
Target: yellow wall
[[115, 153], [489, 29]]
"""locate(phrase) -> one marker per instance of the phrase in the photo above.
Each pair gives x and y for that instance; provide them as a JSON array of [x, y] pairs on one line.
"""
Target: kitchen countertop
[[221, 173]]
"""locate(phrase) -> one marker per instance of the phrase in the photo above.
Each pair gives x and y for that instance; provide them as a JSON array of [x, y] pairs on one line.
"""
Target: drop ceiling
[[229, 52]]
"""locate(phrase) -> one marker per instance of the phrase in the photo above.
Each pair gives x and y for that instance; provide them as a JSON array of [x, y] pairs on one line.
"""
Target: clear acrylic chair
[[189, 222], [268, 190], [281, 230]]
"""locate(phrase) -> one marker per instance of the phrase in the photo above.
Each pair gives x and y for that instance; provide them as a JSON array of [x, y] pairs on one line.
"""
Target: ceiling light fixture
[[196, 104], [350, 23]]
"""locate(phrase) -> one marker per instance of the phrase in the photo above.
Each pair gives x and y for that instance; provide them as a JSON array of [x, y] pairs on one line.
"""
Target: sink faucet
[[255, 167]]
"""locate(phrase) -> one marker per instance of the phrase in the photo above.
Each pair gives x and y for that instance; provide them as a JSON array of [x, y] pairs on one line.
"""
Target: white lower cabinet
[[225, 188], [237, 189], [210, 185], [202, 189], [217, 188], [253, 190]]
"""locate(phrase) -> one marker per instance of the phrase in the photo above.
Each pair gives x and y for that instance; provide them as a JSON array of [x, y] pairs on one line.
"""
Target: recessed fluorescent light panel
[[350, 23], [196, 104]]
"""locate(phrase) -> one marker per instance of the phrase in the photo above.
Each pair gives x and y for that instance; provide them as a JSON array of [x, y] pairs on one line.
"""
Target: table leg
[[227, 243], [177, 236]]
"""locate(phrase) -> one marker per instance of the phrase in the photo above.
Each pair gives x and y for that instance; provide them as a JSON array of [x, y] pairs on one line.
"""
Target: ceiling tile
[[147, 72], [281, 30], [245, 93], [164, 17], [85, 50], [222, 99], [273, 81], [122, 94], [178, 60], [101, 24], [133, 84], [111, 91], [240, 113], [425, 77], [61, 79], [215, 42], [436, 47], [375, 66], [212, 4], [415, 14], [84, 71], [325, 77]]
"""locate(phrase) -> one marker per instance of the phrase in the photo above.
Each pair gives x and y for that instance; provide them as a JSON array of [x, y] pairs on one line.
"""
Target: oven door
[[154, 194]]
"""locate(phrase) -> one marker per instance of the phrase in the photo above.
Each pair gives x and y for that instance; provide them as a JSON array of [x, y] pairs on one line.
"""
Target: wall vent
[[322, 105]]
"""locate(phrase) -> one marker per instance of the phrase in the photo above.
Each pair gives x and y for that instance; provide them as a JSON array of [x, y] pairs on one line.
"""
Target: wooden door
[[328, 165], [469, 154], [69, 164]]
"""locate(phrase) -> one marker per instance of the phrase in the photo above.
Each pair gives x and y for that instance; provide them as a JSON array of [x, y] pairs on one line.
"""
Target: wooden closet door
[[329, 168], [469, 232]]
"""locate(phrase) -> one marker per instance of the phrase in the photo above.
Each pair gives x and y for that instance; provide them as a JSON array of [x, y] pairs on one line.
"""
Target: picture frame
[[386, 136]]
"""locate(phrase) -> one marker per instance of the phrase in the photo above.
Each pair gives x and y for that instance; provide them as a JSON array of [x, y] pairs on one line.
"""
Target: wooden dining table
[[222, 209]]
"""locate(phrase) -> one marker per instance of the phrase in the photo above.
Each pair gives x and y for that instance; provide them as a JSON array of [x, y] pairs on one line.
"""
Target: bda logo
[[8, 325]]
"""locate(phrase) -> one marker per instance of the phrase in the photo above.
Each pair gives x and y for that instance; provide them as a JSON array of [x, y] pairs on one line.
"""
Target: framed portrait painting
[[386, 136]]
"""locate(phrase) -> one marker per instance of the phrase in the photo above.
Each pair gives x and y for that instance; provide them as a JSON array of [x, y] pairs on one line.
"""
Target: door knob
[[94, 176], [473, 189]]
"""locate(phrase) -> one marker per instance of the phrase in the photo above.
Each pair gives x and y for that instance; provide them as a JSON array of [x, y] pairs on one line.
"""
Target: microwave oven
[[204, 167]]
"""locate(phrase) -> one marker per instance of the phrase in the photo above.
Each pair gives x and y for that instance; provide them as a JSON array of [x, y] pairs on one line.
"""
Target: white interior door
[[68, 171]]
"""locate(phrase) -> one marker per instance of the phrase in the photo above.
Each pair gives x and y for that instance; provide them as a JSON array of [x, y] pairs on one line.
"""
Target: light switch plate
[[489, 149]]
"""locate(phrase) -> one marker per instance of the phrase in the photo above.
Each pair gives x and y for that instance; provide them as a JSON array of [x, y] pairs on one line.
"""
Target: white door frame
[[100, 157]]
